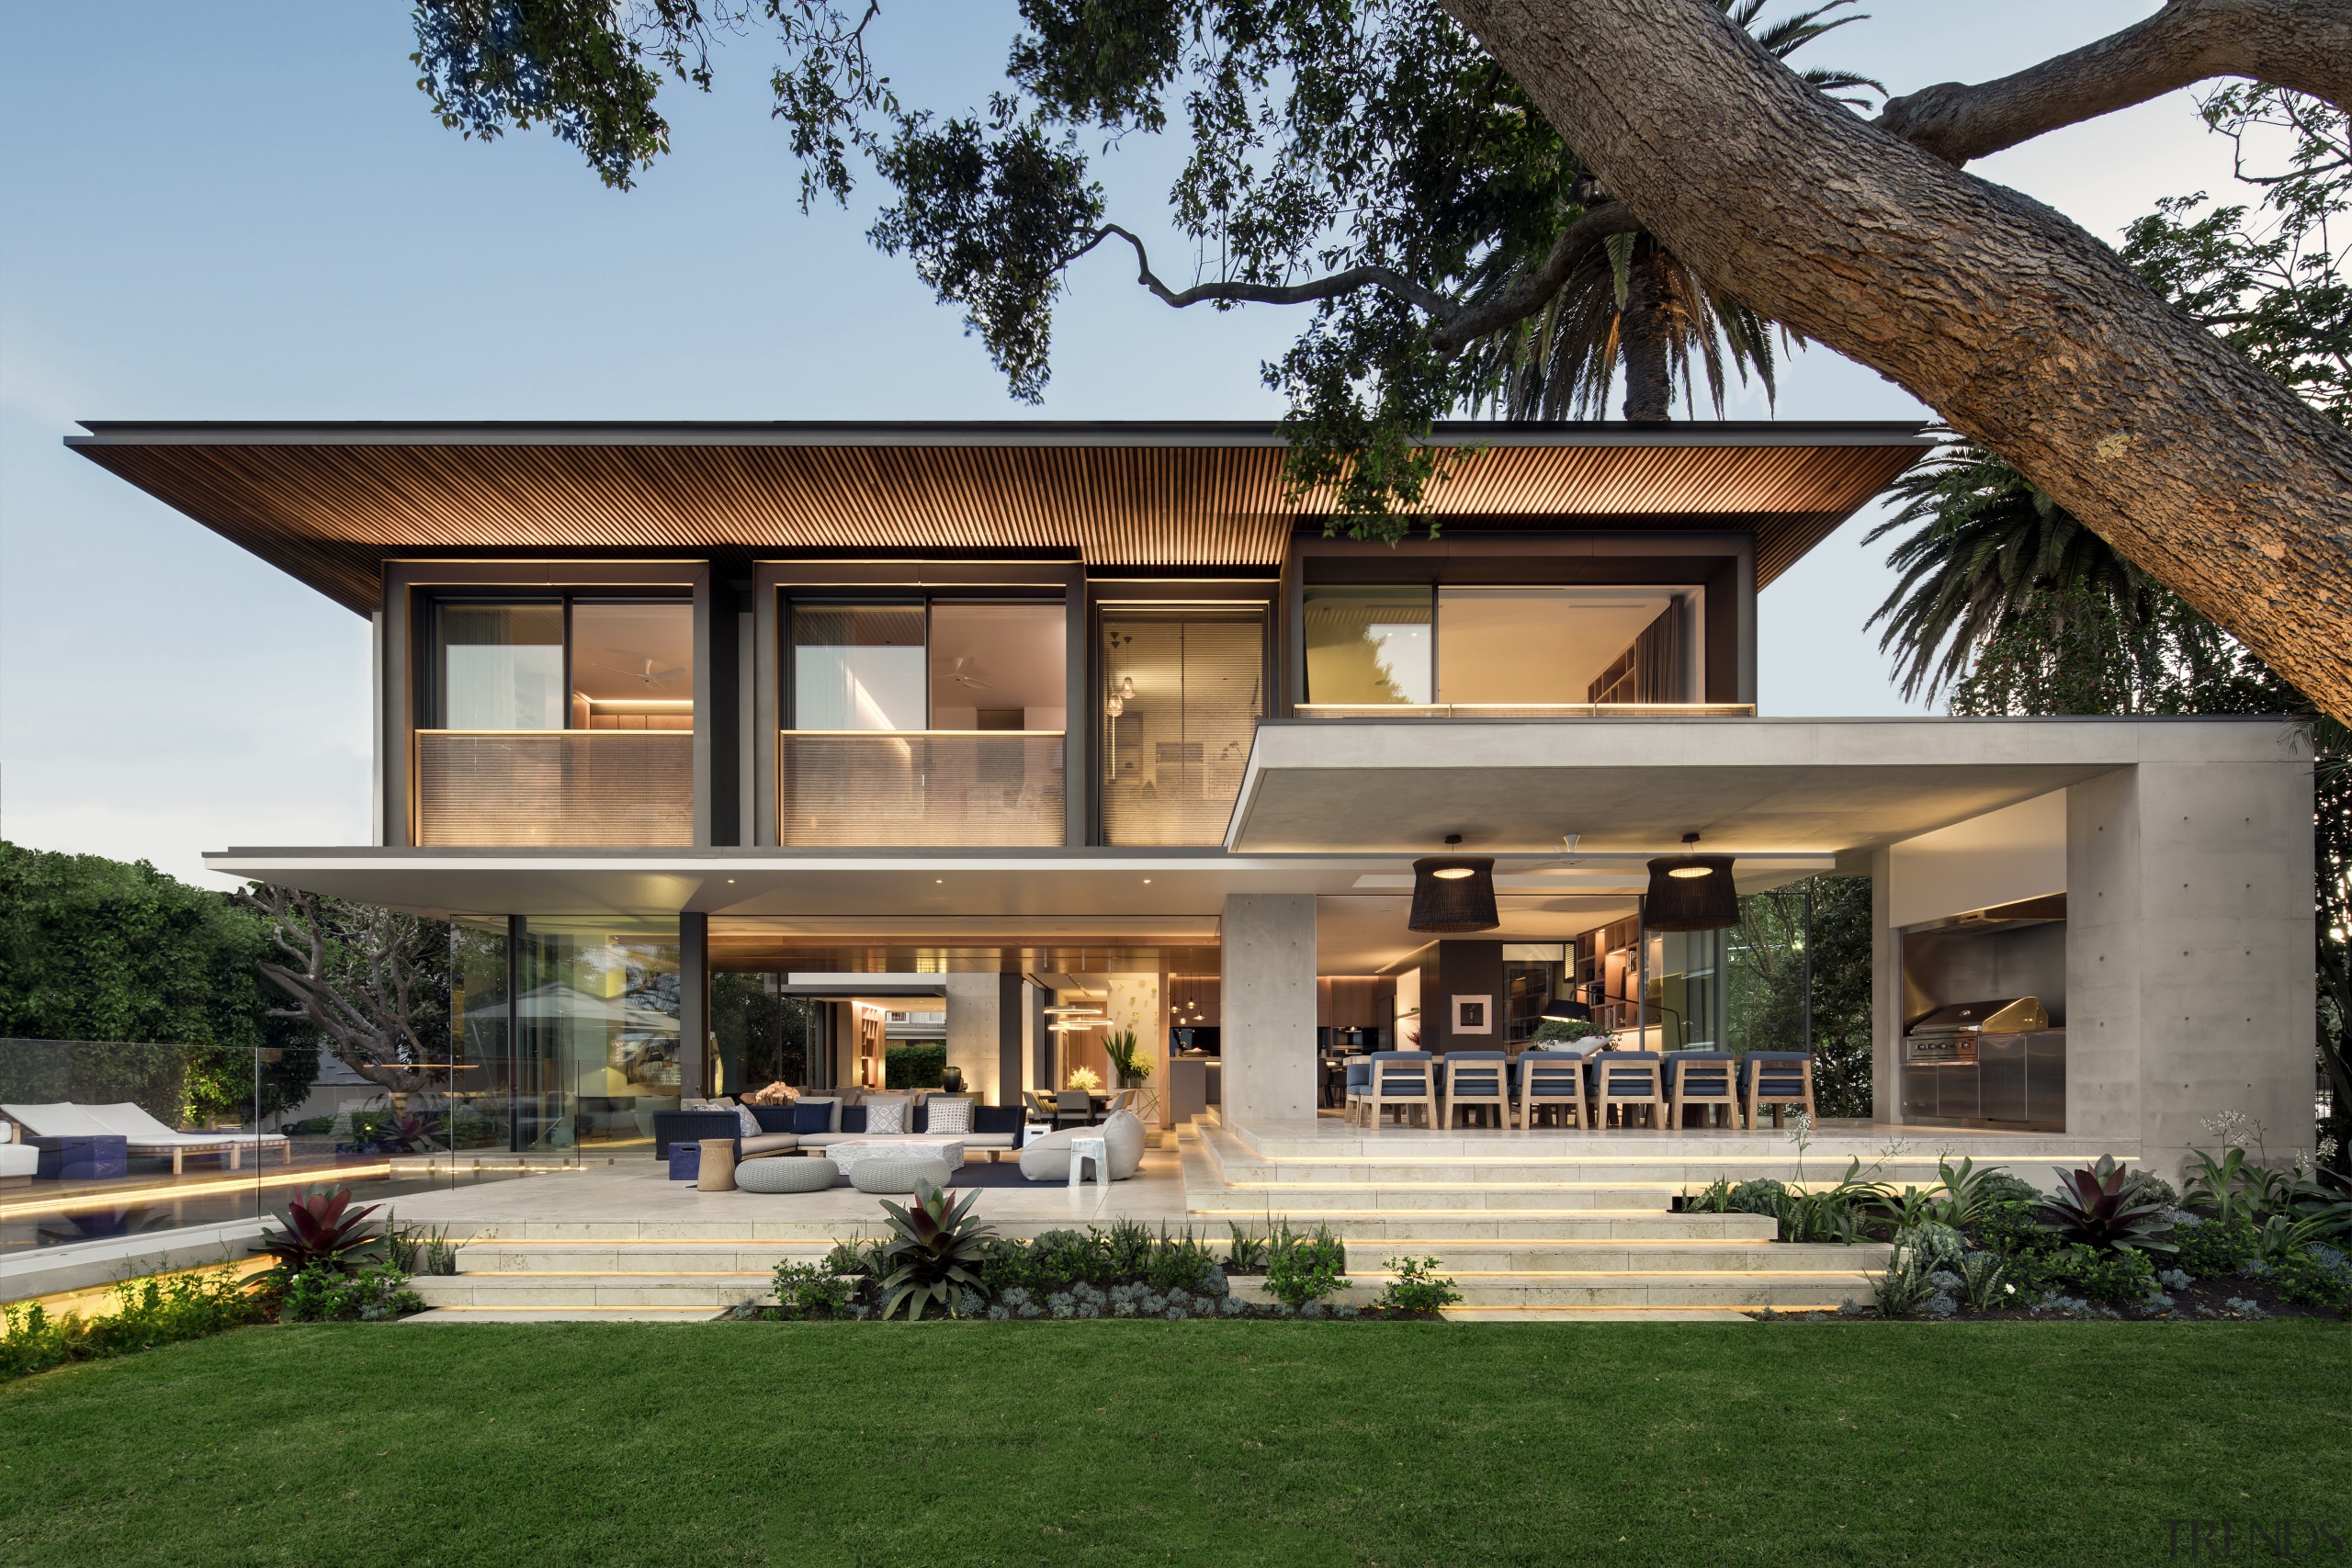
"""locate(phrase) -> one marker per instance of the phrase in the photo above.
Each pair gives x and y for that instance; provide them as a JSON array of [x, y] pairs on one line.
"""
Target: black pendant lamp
[[1453, 893], [1690, 892]]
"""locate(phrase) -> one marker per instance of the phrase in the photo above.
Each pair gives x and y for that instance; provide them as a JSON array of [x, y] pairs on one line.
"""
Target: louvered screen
[[919, 788], [555, 786], [1175, 753]]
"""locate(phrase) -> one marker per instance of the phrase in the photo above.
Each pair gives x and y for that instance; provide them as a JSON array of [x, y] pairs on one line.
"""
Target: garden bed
[[2245, 1241], [940, 1262]]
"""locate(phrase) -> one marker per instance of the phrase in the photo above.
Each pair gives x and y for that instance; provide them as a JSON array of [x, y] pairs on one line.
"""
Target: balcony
[[554, 787], [1526, 710], [933, 787]]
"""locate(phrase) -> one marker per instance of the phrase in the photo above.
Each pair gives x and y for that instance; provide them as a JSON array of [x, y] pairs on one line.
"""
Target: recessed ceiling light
[[1146, 882], [940, 881]]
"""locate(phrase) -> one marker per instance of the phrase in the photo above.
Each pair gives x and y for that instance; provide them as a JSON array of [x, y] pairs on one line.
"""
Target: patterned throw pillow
[[750, 1123], [950, 1113], [883, 1114]]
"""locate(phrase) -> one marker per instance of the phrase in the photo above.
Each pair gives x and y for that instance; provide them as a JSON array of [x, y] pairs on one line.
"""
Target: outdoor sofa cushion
[[1047, 1158], [765, 1144], [814, 1116]]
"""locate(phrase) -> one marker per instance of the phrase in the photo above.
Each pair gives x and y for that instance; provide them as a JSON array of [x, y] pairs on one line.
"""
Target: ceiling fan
[[644, 670], [963, 669]]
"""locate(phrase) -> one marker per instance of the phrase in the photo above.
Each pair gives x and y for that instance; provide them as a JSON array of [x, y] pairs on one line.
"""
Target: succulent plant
[[2102, 1207]]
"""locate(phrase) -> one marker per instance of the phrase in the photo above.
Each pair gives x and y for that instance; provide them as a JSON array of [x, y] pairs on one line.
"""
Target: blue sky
[[245, 210]]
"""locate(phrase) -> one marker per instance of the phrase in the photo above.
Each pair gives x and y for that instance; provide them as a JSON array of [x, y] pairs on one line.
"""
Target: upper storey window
[[925, 722], [500, 666], [1540, 648], [558, 720], [1370, 645]]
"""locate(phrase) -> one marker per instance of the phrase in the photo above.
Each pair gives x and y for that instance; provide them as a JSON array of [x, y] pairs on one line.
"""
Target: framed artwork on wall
[[1474, 1015]]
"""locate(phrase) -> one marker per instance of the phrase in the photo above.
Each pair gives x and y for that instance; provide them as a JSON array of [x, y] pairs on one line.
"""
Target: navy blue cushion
[[852, 1119], [923, 1118], [772, 1118], [997, 1118], [813, 1118]]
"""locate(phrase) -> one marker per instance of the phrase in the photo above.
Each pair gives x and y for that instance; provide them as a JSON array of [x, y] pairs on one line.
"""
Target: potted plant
[[1128, 1063]]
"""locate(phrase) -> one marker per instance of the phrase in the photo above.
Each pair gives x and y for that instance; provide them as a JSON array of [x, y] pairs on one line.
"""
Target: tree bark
[[2302, 44], [2022, 330], [1642, 334]]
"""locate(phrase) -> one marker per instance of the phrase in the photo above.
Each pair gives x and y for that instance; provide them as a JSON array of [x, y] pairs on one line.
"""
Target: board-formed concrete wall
[[2188, 954], [1268, 952]]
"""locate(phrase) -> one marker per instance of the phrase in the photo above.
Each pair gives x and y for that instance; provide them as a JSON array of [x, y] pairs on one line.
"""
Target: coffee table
[[848, 1154]]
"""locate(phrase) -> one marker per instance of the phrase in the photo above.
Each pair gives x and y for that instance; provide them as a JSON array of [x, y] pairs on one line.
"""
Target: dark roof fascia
[[1108, 434]]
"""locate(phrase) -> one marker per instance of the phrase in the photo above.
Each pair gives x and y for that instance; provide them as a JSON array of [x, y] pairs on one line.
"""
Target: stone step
[[1406, 1227], [1465, 1259], [709, 1292], [1238, 1200]]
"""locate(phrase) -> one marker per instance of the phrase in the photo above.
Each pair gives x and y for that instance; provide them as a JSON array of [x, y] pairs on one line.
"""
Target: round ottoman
[[773, 1175], [897, 1174]]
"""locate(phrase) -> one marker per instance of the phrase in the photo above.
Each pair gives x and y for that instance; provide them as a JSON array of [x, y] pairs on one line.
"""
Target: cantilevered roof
[[330, 503]]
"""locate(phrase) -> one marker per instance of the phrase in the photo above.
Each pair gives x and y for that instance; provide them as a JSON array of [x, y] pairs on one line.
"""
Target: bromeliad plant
[[936, 1254], [2101, 1208], [323, 1231]]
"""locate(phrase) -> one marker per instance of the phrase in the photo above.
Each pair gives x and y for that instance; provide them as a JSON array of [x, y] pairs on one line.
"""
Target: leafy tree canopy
[[1363, 156]]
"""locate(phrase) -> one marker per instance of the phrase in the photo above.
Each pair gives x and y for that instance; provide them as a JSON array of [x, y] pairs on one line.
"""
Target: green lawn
[[1394, 1444]]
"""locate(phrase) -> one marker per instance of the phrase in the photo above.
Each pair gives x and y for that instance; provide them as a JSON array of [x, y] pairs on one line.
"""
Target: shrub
[[920, 1064], [1245, 1254], [805, 1290], [2212, 1250], [147, 1313], [377, 1293], [1302, 1269], [2318, 1275], [2105, 1274], [1416, 1287]]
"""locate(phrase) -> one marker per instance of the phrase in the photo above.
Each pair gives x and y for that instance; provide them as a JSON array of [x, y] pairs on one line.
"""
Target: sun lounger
[[142, 1135]]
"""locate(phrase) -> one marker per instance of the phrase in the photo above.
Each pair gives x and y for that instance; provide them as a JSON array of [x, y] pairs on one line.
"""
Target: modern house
[[740, 749]]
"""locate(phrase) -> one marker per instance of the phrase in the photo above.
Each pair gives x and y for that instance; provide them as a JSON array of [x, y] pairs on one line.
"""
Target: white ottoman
[[773, 1175]]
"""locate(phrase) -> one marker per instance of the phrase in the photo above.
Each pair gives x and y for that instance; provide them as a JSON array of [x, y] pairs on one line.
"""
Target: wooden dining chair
[[1629, 1080], [1476, 1081], [1702, 1079], [1552, 1082]]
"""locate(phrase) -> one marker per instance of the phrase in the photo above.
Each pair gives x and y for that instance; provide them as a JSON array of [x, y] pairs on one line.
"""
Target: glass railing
[[1526, 710], [919, 788], [554, 787], [157, 1155]]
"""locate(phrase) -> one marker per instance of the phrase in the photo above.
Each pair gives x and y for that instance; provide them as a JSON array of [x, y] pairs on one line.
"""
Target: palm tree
[[1634, 301], [1993, 550]]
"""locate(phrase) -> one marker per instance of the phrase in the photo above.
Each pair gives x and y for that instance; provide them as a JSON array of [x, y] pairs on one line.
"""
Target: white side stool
[[1095, 1148]]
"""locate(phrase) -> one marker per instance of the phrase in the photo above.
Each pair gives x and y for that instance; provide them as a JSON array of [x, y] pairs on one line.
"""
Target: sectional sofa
[[818, 1122]]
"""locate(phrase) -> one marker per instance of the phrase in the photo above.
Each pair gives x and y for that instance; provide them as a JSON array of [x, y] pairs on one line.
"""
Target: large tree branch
[[1535, 290], [2023, 332], [1458, 324], [2302, 44], [1347, 282]]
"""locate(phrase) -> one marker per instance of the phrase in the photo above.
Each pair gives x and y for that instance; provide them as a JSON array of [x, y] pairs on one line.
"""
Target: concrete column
[[693, 1003], [1267, 949], [1886, 994], [2188, 943], [974, 1038]]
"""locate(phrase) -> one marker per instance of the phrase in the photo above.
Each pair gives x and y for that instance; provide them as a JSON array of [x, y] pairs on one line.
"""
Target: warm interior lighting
[[1687, 872], [1454, 894]]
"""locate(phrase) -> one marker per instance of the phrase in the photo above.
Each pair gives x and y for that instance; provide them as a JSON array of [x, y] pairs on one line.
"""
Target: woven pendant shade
[[1691, 893], [1463, 901]]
